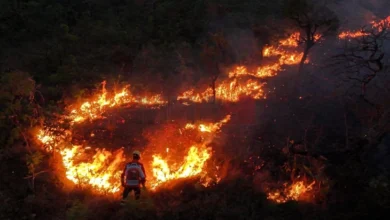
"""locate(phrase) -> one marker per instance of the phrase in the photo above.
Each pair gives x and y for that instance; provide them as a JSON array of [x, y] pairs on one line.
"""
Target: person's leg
[[126, 192], [137, 193]]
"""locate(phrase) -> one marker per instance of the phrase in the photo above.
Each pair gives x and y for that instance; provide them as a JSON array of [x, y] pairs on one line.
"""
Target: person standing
[[133, 177]]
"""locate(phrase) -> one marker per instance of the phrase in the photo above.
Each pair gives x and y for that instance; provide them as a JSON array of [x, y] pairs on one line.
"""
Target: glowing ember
[[381, 24], [348, 34], [293, 192]]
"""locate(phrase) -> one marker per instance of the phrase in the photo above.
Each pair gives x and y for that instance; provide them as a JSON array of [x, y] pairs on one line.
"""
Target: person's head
[[136, 155]]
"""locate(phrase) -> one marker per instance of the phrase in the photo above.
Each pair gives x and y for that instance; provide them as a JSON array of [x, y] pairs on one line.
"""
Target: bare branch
[[36, 174]]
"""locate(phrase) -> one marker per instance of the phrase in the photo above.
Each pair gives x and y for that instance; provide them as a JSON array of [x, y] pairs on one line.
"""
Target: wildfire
[[210, 127], [192, 165], [261, 72], [377, 26], [194, 161], [349, 34], [101, 173], [101, 169], [292, 41], [381, 24], [94, 108], [45, 138], [234, 86], [229, 90], [293, 192], [284, 51]]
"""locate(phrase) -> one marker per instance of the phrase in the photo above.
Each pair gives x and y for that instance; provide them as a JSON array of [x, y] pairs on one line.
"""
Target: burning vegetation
[[101, 169], [377, 26], [242, 82], [188, 153], [102, 172], [223, 129]]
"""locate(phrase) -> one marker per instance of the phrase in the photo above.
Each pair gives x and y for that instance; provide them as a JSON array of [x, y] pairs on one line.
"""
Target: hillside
[[248, 110]]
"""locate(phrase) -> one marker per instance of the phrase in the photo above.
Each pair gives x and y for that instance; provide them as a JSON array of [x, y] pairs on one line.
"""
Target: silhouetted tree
[[361, 62], [214, 54], [315, 20]]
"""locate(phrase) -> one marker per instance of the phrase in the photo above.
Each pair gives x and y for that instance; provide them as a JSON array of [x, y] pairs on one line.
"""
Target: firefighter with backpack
[[133, 177]]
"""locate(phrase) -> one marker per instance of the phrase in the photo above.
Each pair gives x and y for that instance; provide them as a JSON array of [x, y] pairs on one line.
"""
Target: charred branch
[[294, 149], [315, 21], [362, 58]]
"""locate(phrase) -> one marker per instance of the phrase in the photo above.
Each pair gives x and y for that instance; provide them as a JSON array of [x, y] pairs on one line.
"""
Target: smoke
[[355, 13], [378, 8], [244, 45]]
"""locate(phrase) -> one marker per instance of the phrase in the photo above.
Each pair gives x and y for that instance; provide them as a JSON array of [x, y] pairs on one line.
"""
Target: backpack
[[133, 174]]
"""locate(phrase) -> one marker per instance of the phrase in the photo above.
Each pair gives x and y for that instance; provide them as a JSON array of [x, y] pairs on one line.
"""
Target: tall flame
[[102, 170], [194, 161], [101, 173], [192, 165]]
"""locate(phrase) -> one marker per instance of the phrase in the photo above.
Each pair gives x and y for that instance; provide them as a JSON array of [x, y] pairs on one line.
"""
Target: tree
[[363, 57], [19, 113], [33, 161], [361, 62], [19, 108], [214, 54], [315, 20]]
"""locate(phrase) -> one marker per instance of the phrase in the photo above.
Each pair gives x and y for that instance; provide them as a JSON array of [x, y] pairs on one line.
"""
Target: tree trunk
[[308, 45], [377, 131], [303, 60], [213, 87], [215, 77]]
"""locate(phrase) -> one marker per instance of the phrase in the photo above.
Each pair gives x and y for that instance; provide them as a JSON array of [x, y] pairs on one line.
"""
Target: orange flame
[[194, 161], [94, 108], [232, 89], [229, 90], [192, 165], [102, 170], [291, 41], [293, 192], [101, 173], [261, 72], [349, 34], [377, 26], [381, 24], [211, 127]]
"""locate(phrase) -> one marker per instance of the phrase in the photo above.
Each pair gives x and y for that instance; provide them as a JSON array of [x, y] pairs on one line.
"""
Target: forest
[[252, 109]]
